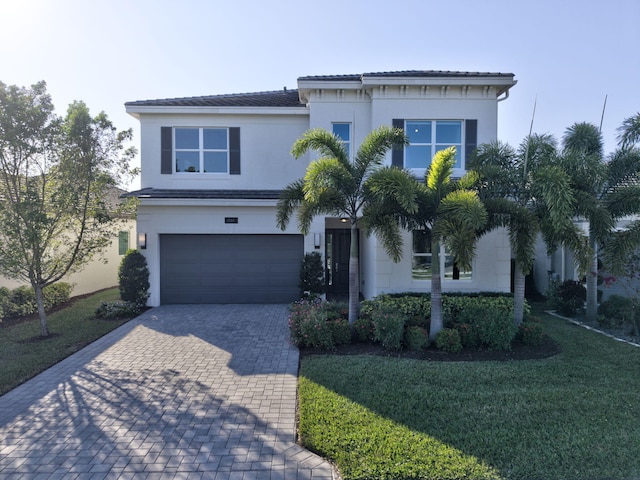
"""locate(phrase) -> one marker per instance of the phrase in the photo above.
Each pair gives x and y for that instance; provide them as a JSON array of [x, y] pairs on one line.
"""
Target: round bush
[[389, 328], [364, 329], [416, 338], [616, 311], [570, 297], [448, 340], [531, 332]]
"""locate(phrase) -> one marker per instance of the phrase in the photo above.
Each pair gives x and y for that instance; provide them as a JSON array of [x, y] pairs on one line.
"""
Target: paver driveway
[[183, 391]]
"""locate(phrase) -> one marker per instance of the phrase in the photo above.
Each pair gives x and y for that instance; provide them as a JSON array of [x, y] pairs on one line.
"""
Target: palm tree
[[452, 214], [629, 132], [525, 192], [606, 190], [333, 185]]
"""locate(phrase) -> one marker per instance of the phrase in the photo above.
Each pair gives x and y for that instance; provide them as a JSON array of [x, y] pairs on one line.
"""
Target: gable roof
[[279, 98]]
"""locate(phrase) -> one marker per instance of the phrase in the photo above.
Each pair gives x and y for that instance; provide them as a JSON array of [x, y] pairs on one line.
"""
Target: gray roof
[[205, 194], [405, 73], [279, 98]]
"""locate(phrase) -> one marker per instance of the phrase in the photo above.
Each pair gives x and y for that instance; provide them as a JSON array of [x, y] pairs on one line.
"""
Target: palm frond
[[583, 138], [395, 183], [290, 197], [325, 143], [624, 167], [375, 146], [326, 174], [629, 132], [619, 246], [438, 176], [387, 229], [623, 201]]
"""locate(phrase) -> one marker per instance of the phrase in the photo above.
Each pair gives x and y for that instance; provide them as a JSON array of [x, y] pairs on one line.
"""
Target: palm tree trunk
[[354, 275], [44, 329], [518, 295], [436, 291], [592, 282]]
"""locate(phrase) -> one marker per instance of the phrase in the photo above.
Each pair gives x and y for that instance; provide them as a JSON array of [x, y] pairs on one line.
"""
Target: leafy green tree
[[453, 215], [56, 178], [606, 191], [526, 192], [333, 185]]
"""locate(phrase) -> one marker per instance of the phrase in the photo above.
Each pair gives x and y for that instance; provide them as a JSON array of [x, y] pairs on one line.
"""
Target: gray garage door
[[230, 268]]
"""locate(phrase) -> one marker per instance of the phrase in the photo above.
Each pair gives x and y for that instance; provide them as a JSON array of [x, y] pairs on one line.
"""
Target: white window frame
[[464, 276], [436, 146], [348, 143], [201, 151]]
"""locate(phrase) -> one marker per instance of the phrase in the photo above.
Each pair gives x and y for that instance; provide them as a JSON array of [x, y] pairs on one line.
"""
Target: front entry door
[[337, 261]]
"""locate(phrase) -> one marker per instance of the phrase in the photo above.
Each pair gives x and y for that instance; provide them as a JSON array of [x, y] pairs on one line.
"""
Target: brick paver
[[183, 391]]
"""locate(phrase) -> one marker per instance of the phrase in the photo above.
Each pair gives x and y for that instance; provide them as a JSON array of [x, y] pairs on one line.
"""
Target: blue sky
[[568, 54]]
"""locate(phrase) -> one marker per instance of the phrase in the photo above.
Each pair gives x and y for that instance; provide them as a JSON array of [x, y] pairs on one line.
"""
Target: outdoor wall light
[[344, 219], [142, 241], [316, 240]]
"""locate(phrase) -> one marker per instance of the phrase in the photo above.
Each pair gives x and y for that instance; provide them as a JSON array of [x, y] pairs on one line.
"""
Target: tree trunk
[[44, 329], [354, 276], [436, 291], [518, 295], [592, 283]]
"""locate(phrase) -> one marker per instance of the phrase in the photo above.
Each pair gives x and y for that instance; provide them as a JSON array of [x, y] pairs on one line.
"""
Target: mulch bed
[[549, 348]]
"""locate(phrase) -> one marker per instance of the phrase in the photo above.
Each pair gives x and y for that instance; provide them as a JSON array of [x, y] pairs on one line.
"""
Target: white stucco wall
[[491, 268], [101, 272], [265, 146]]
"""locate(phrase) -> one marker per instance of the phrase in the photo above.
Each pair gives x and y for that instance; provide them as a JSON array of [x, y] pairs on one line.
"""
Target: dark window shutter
[[470, 138], [234, 151], [166, 150], [397, 154]]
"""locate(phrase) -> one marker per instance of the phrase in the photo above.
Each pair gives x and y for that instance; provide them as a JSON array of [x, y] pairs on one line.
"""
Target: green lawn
[[573, 416], [23, 355]]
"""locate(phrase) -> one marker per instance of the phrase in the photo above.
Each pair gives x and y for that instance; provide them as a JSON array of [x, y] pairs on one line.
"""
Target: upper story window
[[426, 137], [201, 150], [343, 131]]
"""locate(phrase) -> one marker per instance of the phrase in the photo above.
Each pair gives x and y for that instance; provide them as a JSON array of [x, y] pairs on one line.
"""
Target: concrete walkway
[[185, 391]]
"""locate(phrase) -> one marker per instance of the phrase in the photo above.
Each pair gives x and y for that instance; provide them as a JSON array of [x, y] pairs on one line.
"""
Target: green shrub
[[133, 277], [56, 294], [336, 310], [496, 329], [21, 301], [569, 297], [117, 310], [364, 329], [416, 338], [388, 326], [468, 335], [340, 331], [616, 311], [448, 340], [530, 332], [317, 324], [316, 332], [311, 275], [410, 305], [5, 294]]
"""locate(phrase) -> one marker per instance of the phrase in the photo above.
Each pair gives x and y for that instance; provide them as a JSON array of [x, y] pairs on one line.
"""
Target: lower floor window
[[421, 268]]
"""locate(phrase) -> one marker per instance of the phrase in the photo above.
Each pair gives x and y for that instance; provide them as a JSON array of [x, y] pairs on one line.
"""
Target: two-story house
[[213, 168]]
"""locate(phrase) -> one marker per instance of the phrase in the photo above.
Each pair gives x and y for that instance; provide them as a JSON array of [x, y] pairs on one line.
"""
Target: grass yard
[[24, 355], [572, 416]]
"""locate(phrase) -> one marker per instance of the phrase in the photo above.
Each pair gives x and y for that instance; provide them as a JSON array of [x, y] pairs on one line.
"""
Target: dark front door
[[337, 256]]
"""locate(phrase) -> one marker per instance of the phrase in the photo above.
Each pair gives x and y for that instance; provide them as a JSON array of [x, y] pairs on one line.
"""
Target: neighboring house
[[213, 168], [561, 265], [102, 271]]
